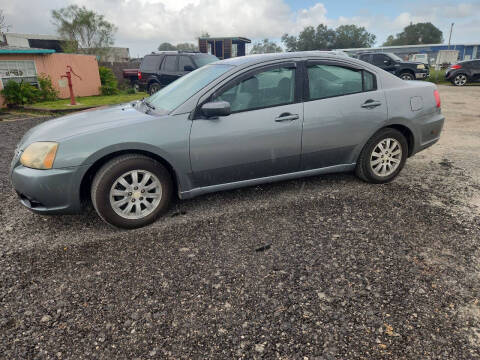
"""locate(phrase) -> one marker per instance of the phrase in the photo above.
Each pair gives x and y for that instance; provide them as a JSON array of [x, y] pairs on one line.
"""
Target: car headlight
[[421, 66], [39, 155]]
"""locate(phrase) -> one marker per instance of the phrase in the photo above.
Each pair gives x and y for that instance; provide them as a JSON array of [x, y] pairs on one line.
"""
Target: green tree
[[352, 36], [265, 46], [187, 47], [166, 47], [83, 29], [415, 34], [323, 38]]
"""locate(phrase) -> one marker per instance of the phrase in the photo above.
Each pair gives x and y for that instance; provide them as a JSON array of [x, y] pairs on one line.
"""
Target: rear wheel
[[460, 80], [382, 157], [131, 191], [153, 88], [406, 76]]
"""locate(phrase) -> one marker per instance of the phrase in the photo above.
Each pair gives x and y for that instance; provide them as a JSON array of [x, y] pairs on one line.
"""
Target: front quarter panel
[[165, 136]]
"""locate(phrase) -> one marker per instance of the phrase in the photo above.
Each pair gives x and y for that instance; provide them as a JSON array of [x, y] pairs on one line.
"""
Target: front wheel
[[131, 191], [383, 156]]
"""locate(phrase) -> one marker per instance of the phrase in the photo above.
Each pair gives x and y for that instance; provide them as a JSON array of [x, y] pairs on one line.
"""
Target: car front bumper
[[422, 75], [54, 191]]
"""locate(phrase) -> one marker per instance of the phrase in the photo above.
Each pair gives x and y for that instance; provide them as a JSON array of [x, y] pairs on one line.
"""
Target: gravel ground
[[320, 268]]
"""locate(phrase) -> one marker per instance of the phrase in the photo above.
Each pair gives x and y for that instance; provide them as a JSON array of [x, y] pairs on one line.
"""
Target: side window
[[170, 64], [185, 61], [369, 81], [268, 88], [330, 80], [365, 58], [379, 59]]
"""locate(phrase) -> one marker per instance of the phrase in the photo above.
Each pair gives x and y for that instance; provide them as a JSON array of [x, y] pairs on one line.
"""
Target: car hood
[[84, 122]]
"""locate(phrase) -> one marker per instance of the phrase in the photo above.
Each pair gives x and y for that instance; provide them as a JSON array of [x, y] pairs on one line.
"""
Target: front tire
[[131, 191], [383, 157]]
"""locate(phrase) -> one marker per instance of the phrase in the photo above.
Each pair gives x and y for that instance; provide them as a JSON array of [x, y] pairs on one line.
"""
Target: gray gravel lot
[[353, 270]]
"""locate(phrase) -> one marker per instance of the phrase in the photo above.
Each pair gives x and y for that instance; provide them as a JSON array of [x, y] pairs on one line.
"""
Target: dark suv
[[390, 62], [463, 72], [162, 68]]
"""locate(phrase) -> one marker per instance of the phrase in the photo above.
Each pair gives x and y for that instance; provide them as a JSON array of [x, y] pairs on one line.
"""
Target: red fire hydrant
[[68, 75]]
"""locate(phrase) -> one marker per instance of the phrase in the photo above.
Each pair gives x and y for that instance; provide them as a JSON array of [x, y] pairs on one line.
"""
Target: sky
[[144, 24]]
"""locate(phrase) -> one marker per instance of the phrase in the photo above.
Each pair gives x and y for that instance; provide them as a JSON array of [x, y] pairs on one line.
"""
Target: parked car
[[463, 72], [132, 76], [237, 122], [405, 70], [160, 69]]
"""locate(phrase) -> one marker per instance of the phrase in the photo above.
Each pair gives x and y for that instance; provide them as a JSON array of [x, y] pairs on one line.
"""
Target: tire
[[407, 76], [369, 172], [153, 88], [146, 201], [460, 80]]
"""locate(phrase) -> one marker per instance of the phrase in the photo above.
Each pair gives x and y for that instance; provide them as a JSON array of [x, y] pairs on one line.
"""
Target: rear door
[[262, 135], [342, 108], [475, 65], [169, 71]]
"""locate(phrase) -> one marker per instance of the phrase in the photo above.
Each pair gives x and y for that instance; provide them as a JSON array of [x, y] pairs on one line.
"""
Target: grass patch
[[90, 101], [437, 77]]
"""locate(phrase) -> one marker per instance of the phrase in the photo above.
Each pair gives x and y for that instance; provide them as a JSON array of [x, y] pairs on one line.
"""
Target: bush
[[20, 93], [108, 81], [437, 76], [131, 91], [47, 91]]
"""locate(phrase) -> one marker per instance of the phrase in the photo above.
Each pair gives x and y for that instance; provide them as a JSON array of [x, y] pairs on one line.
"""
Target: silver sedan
[[232, 123]]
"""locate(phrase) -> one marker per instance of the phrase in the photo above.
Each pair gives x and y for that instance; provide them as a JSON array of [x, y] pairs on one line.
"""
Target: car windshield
[[204, 59], [394, 57], [179, 91]]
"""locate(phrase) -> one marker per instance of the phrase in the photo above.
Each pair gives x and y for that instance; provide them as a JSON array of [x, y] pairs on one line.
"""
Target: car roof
[[259, 58]]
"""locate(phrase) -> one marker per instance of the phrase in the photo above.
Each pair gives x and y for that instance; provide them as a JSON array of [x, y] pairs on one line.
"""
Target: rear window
[[150, 63]]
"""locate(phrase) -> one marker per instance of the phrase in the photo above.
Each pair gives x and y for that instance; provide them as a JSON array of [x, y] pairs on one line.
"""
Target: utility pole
[[450, 36]]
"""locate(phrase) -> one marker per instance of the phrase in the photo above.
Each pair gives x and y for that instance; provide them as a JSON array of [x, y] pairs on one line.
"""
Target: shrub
[[437, 76], [108, 81], [131, 91], [47, 91], [19, 93]]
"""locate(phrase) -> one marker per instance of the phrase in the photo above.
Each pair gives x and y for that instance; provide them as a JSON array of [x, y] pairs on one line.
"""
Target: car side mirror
[[215, 109], [387, 62], [188, 68]]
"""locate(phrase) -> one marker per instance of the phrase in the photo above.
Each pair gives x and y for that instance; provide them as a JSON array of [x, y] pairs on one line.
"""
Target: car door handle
[[370, 104], [286, 117]]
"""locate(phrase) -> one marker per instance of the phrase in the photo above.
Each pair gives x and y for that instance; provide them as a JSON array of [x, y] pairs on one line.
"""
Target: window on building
[[18, 70]]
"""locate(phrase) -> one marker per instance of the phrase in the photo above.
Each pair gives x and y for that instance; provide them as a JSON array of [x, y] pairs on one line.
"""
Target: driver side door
[[262, 135]]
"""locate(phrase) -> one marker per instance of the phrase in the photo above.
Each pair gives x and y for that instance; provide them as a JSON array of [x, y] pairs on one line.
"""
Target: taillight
[[437, 98], [139, 75], [456, 66]]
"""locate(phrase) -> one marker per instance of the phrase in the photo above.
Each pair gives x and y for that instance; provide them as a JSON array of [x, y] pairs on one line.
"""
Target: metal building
[[465, 51]]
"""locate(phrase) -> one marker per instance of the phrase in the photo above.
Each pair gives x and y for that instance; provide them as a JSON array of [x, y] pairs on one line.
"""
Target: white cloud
[[144, 24]]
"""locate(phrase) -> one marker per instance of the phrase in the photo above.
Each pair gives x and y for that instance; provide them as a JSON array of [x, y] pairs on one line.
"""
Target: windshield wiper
[[149, 105]]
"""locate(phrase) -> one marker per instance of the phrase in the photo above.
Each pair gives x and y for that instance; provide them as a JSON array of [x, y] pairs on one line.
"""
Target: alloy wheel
[[386, 157], [135, 194], [460, 80]]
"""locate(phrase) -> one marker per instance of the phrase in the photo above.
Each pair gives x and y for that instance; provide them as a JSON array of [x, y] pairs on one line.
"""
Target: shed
[[26, 64], [223, 47]]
